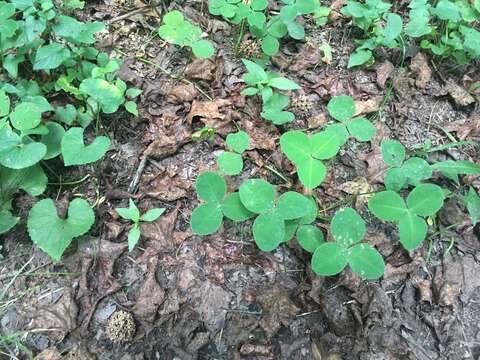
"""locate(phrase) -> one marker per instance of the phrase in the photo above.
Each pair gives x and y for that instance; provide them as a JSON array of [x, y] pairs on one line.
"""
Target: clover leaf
[[53, 234]]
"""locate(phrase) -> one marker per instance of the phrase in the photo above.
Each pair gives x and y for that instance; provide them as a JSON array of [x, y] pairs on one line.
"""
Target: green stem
[[240, 37]]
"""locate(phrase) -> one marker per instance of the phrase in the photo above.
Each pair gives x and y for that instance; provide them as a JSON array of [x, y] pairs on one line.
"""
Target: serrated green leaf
[[347, 227], [366, 261], [211, 187], [206, 219], [425, 199], [233, 208], [268, 231], [341, 108], [292, 205], [53, 234], [388, 206], [329, 259], [412, 230], [310, 237], [75, 152], [393, 152], [257, 195]]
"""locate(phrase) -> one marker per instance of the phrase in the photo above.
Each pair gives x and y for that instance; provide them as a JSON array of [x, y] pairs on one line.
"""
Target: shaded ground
[[218, 297]]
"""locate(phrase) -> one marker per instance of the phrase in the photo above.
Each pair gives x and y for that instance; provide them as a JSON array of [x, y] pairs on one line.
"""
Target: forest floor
[[219, 297]]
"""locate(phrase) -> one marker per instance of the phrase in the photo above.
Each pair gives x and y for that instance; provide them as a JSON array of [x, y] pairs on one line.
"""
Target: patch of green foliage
[[133, 214], [46, 54], [176, 30], [263, 82]]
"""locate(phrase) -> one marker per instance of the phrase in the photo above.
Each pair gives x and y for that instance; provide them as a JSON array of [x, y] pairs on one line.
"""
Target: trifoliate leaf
[[425, 199], [211, 187], [257, 195], [388, 206], [268, 231], [233, 208], [238, 142], [341, 107], [206, 219], [75, 152], [393, 152], [329, 259], [310, 237], [292, 205], [347, 227], [130, 213], [366, 261], [53, 234], [230, 163], [412, 230], [18, 153]]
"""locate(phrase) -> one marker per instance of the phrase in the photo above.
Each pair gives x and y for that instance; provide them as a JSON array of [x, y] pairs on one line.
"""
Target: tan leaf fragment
[[384, 72], [420, 67], [209, 112], [367, 106], [358, 186], [461, 96], [150, 296]]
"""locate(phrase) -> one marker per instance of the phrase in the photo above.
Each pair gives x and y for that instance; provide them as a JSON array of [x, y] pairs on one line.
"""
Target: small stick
[[138, 174]]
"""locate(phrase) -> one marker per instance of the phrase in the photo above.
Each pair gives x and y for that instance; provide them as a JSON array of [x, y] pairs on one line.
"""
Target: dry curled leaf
[[358, 186], [209, 112], [420, 67], [384, 72], [459, 94], [182, 93], [150, 295], [367, 106], [200, 69]]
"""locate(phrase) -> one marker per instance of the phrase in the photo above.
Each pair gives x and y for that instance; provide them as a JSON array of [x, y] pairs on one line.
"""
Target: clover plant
[[231, 162], [176, 30], [348, 230], [263, 82], [133, 214], [48, 55]]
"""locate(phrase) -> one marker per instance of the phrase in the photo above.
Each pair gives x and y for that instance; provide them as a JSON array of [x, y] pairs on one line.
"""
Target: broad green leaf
[[256, 19], [238, 142], [203, 49], [416, 169], [472, 201], [340, 130], [53, 139], [152, 214], [310, 237], [329, 259], [283, 83], [133, 237], [394, 26], [230, 163], [66, 114], [268, 231], [347, 227], [7, 221], [425, 199], [4, 104], [206, 219], [366, 261], [296, 146], [361, 129], [447, 10], [324, 145], [10, 63], [393, 152], [312, 212], [395, 179], [75, 31], [16, 153], [270, 45], [25, 116], [388, 206], [256, 71], [53, 234], [292, 205], [32, 180], [50, 57], [132, 93], [311, 173], [249, 91], [278, 117], [259, 5], [108, 95], [130, 213], [211, 187], [257, 195], [341, 108], [75, 152], [295, 30], [233, 208], [457, 167], [412, 230], [359, 57], [131, 107], [291, 227]]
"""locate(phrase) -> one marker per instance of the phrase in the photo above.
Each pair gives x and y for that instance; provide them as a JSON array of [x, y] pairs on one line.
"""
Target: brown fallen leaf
[[317, 120], [376, 166], [57, 319], [465, 129], [307, 57], [263, 135], [336, 6], [182, 93], [150, 295], [164, 187], [420, 67], [461, 96], [358, 186], [200, 69], [367, 106], [209, 113], [384, 72], [49, 354], [424, 288]]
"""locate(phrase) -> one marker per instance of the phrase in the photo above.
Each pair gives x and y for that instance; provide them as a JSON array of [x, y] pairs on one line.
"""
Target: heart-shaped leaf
[[347, 227], [18, 153], [311, 173], [53, 139], [53, 234], [425, 199], [412, 230], [366, 261], [108, 95], [268, 231], [341, 107], [388, 206], [206, 219], [230, 163], [238, 142], [211, 187], [75, 152], [329, 259]]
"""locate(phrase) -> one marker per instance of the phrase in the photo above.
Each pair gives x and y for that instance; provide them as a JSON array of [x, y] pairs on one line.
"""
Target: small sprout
[[121, 327]]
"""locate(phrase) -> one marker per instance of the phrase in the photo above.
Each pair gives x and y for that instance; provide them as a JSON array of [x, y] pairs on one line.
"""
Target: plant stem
[[240, 37]]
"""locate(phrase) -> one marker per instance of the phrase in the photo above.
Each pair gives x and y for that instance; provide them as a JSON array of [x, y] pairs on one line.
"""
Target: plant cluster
[[55, 52], [176, 30]]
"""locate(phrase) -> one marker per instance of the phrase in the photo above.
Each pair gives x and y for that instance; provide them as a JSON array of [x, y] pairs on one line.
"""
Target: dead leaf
[[182, 93], [49, 354], [317, 121], [308, 56], [209, 113], [420, 67], [376, 166], [384, 72], [57, 319], [256, 350], [458, 93], [465, 129], [200, 69], [424, 288], [164, 187], [336, 6], [367, 106], [357, 186], [150, 296], [263, 135]]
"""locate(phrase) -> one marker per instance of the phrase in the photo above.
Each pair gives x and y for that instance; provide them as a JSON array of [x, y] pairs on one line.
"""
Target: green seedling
[[451, 168], [176, 30], [231, 162], [204, 134], [472, 202], [263, 82], [236, 11], [342, 108], [348, 230], [133, 214], [53, 234], [423, 201]]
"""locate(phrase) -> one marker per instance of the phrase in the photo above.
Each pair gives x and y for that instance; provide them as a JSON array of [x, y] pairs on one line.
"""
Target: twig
[[138, 174], [130, 13]]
